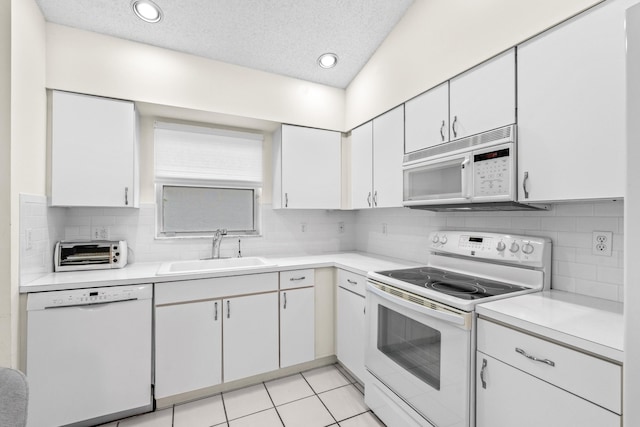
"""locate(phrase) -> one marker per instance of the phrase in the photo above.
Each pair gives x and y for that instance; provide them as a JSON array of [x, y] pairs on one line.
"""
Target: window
[[206, 179]]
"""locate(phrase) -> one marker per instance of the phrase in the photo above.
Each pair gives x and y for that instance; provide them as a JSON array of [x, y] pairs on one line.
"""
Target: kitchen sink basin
[[212, 265]]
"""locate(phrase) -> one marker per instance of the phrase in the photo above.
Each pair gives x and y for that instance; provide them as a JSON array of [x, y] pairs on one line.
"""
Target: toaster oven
[[89, 255]]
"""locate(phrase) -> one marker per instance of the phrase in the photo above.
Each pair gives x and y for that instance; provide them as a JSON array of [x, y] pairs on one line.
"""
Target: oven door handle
[[447, 317]]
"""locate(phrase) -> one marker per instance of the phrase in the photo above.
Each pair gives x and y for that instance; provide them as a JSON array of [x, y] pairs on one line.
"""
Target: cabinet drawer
[[296, 278], [203, 289], [352, 281], [589, 377]]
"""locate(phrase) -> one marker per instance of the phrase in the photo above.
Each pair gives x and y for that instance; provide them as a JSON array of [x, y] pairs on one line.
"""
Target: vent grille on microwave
[[505, 134]]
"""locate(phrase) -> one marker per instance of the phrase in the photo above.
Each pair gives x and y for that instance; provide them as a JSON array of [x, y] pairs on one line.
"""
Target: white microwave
[[475, 173]]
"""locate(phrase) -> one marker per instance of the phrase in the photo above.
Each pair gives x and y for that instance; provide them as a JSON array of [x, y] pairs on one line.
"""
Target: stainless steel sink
[[212, 265]]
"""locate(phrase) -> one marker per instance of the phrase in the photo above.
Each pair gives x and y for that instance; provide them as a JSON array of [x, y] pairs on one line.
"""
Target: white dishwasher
[[89, 355]]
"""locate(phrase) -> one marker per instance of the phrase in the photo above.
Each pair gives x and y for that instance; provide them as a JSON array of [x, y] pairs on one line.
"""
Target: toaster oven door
[[445, 180]]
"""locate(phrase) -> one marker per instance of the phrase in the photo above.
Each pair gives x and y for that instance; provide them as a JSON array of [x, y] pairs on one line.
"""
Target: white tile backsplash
[[394, 232]]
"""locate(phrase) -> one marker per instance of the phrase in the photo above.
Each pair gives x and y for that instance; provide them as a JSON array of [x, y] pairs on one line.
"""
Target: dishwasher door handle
[[89, 304]]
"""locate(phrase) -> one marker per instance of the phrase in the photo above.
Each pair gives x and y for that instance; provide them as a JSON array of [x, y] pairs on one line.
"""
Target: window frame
[[159, 207]]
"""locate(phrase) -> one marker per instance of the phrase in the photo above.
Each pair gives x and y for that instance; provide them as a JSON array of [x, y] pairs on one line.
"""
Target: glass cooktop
[[455, 284]]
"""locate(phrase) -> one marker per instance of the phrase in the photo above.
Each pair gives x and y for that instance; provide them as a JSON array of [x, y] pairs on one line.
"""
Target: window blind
[[201, 153]]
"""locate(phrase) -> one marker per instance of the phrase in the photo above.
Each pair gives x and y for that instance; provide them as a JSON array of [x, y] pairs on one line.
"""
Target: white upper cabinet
[[362, 166], [484, 98], [427, 119], [307, 168], [571, 108], [93, 151], [388, 154], [377, 150]]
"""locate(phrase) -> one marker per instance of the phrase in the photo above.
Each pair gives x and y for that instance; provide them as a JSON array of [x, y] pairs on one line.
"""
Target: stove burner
[[452, 287], [458, 285]]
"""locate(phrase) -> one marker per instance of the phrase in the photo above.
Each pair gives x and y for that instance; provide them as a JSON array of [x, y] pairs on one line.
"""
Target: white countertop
[[356, 262], [591, 324]]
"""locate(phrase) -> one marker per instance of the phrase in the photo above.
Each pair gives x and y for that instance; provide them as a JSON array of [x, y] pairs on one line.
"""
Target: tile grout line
[[318, 396], [273, 403]]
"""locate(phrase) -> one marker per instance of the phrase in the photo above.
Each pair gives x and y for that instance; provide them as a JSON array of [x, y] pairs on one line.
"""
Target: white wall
[[437, 39], [631, 380], [5, 180], [86, 62], [28, 136]]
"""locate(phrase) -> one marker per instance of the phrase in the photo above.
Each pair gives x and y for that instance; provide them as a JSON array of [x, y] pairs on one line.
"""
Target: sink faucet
[[217, 239]]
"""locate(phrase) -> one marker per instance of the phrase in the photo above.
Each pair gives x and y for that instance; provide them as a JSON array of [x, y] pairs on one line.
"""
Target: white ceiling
[[279, 36]]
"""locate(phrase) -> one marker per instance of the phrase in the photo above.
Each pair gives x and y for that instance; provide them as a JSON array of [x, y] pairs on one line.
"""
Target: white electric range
[[420, 323]]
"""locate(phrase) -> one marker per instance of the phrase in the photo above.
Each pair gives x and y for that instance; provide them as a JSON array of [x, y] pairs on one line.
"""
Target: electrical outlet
[[341, 227], [100, 233], [28, 239], [384, 228], [602, 242]]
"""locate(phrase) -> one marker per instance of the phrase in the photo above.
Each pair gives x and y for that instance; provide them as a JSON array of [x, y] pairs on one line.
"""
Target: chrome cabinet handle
[[484, 366], [524, 185], [453, 126], [286, 200], [369, 199], [215, 311], [126, 196], [442, 131], [285, 301], [228, 309], [295, 279], [375, 198], [535, 359], [353, 282]]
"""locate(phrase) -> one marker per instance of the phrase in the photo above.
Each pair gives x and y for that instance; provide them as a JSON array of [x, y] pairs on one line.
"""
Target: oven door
[[445, 180], [421, 355]]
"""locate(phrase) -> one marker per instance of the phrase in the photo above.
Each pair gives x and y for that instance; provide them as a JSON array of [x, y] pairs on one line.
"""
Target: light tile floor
[[321, 397]]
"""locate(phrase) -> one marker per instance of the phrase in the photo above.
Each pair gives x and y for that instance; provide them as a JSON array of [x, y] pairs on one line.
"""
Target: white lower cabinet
[[297, 326], [188, 347], [250, 338], [526, 381], [350, 325]]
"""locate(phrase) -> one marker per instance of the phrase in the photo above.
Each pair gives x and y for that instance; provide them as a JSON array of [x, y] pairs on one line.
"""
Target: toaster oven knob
[[514, 247], [501, 246]]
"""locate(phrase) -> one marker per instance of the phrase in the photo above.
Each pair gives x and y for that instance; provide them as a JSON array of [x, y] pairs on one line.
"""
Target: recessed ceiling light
[[328, 60], [147, 10]]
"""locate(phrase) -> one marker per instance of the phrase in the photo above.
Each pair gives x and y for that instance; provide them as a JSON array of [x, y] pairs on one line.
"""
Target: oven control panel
[[508, 248]]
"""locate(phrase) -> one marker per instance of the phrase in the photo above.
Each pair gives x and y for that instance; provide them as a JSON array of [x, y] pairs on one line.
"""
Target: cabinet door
[[427, 119], [514, 398], [297, 326], [571, 108], [362, 166], [388, 154], [188, 347], [250, 338], [311, 168], [92, 151], [484, 98], [350, 332]]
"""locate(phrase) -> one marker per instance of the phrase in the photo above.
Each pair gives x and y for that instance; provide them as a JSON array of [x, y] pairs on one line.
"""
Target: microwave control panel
[[492, 172]]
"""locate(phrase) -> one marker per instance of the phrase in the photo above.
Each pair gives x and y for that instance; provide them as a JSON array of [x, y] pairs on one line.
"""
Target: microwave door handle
[[464, 171]]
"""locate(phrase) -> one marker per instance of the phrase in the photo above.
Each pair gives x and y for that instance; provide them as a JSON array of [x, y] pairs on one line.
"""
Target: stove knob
[[435, 238], [514, 247], [527, 248], [443, 240], [501, 246]]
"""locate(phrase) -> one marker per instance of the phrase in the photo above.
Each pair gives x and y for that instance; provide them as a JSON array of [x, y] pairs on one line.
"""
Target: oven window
[[412, 345]]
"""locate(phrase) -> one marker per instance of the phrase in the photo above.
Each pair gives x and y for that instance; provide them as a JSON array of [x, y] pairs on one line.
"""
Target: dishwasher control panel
[[89, 296]]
